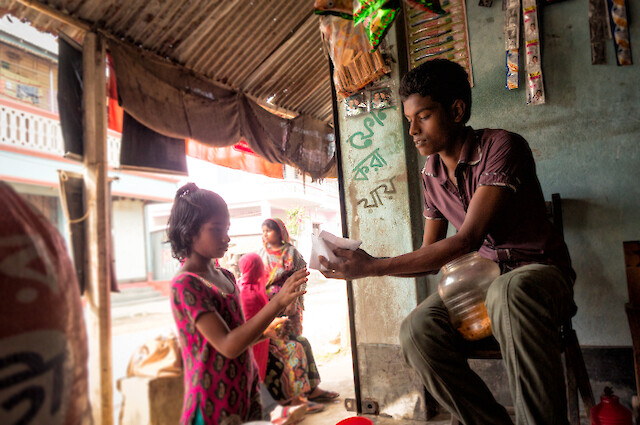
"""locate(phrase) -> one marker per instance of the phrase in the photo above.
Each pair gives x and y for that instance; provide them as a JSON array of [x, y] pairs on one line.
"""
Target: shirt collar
[[470, 154]]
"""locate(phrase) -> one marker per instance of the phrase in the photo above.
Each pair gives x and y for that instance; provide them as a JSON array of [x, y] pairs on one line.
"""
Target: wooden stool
[[575, 371]]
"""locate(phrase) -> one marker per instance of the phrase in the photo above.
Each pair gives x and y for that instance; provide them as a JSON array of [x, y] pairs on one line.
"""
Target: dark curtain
[[146, 150], [180, 104], [70, 97]]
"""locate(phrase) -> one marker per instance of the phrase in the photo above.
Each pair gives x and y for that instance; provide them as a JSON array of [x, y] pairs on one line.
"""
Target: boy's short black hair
[[444, 81], [192, 207]]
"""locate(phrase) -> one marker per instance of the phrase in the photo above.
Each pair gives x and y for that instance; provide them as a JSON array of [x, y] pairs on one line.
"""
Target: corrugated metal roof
[[269, 49]]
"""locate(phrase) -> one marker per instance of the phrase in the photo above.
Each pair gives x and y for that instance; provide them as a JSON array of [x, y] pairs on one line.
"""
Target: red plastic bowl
[[356, 420]]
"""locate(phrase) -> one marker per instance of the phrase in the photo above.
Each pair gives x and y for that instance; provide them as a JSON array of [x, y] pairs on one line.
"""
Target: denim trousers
[[526, 307]]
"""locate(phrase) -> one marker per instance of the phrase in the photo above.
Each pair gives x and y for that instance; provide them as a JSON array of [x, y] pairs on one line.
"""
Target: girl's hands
[[275, 328], [292, 288]]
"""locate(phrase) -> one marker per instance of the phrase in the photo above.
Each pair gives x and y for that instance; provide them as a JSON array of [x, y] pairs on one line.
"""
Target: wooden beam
[[56, 14], [98, 229]]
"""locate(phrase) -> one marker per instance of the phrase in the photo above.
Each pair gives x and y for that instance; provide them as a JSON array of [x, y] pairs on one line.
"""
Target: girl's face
[[271, 237], [212, 240]]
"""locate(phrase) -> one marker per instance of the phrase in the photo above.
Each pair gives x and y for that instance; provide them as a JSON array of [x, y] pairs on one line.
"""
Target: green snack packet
[[378, 23], [362, 9], [432, 6]]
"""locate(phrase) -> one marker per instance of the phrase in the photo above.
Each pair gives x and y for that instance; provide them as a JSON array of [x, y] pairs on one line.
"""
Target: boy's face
[[430, 124]]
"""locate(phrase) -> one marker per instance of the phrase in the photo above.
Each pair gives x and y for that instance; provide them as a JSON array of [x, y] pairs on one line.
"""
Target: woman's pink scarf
[[253, 297]]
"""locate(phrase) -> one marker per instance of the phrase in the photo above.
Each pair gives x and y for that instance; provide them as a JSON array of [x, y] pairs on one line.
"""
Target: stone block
[[151, 401]]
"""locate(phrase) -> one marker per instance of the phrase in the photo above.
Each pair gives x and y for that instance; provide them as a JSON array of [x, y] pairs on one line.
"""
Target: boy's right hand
[[292, 288]]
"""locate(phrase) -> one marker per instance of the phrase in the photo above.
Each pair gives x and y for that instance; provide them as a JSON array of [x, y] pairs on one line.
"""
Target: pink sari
[[254, 297]]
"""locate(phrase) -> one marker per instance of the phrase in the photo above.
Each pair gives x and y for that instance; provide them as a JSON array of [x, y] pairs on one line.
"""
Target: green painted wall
[[586, 142]]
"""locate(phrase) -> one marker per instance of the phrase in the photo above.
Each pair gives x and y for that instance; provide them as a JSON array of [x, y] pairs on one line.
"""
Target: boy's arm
[[485, 209], [434, 230]]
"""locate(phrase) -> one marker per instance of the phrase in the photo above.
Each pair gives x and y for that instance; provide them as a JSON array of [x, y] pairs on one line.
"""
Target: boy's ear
[[458, 109]]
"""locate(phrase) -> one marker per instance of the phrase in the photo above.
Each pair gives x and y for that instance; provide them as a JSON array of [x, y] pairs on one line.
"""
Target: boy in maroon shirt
[[484, 183]]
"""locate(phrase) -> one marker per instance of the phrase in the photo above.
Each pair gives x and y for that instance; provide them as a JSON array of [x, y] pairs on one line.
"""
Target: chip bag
[[376, 16], [355, 64], [432, 6], [341, 8]]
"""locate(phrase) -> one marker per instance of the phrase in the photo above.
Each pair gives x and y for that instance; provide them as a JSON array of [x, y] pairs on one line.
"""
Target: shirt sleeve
[[429, 210], [190, 298], [505, 159]]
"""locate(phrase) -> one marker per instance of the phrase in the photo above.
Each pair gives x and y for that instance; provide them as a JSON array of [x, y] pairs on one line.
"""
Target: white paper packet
[[324, 244]]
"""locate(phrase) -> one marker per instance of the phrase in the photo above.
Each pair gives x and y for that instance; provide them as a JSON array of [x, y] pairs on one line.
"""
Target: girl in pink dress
[[221, 380]]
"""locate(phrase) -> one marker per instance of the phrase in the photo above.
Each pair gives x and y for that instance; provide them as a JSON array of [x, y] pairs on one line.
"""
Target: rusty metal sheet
[[271, 51]]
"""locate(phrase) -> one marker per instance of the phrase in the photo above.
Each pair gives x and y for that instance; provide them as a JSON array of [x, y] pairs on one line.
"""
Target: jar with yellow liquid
[[463, 289]]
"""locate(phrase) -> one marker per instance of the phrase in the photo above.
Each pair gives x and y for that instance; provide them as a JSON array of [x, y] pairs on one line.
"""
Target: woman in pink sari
[[253, 297]]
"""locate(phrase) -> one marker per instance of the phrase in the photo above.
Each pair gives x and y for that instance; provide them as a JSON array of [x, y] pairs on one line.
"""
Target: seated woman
[[253, 298], [292, 376]]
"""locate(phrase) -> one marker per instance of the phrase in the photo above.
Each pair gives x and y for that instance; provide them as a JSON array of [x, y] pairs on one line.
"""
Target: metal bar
[[345, 233]]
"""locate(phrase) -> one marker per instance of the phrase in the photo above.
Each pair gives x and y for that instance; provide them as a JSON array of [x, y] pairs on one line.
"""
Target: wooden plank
[[98, 228]]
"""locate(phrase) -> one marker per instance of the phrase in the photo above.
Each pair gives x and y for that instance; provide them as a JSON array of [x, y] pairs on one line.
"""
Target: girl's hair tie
[[185, 193]]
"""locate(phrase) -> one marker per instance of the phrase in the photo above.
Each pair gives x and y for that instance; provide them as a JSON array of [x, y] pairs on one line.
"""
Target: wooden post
[[98, 229]]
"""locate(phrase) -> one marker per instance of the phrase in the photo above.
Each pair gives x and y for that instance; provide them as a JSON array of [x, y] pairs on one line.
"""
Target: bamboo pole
[[98, 228]]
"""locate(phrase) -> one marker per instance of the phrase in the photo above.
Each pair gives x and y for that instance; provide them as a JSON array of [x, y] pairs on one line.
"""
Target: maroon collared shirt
[[524, 234]]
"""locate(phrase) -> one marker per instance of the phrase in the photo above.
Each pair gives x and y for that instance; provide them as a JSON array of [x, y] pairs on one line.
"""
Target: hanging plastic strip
[[533, 60], [512, 43], [620, 31], [439, 35]]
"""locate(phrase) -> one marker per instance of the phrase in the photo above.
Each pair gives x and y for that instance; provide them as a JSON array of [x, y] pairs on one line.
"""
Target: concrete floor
[[325, 327], [337, 375]]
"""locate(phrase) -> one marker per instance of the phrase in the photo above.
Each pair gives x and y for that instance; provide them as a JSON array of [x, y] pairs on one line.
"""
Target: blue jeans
[[526, 307]]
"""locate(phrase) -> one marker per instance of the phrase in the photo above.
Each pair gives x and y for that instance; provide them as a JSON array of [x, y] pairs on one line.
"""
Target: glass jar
[[463, 289]]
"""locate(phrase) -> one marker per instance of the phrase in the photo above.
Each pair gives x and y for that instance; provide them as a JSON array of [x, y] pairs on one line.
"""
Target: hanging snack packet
[[355, 65], [512, 43], [535, 86], [341, 8], [363, 8], [533, 56], [426, 43], [512, 69], [378, 23], [376, 16], [427, 5], [620, 31], [535, 95]]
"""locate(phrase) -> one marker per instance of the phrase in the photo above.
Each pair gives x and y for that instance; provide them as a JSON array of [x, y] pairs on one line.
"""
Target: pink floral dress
[[219, 387]]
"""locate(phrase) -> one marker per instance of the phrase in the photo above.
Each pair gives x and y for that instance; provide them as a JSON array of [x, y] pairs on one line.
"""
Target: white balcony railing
[[26, 127]]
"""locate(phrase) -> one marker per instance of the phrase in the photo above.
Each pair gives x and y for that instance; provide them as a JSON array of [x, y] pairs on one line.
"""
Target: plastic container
[[356, 420], [463, 289], [609, 411]]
